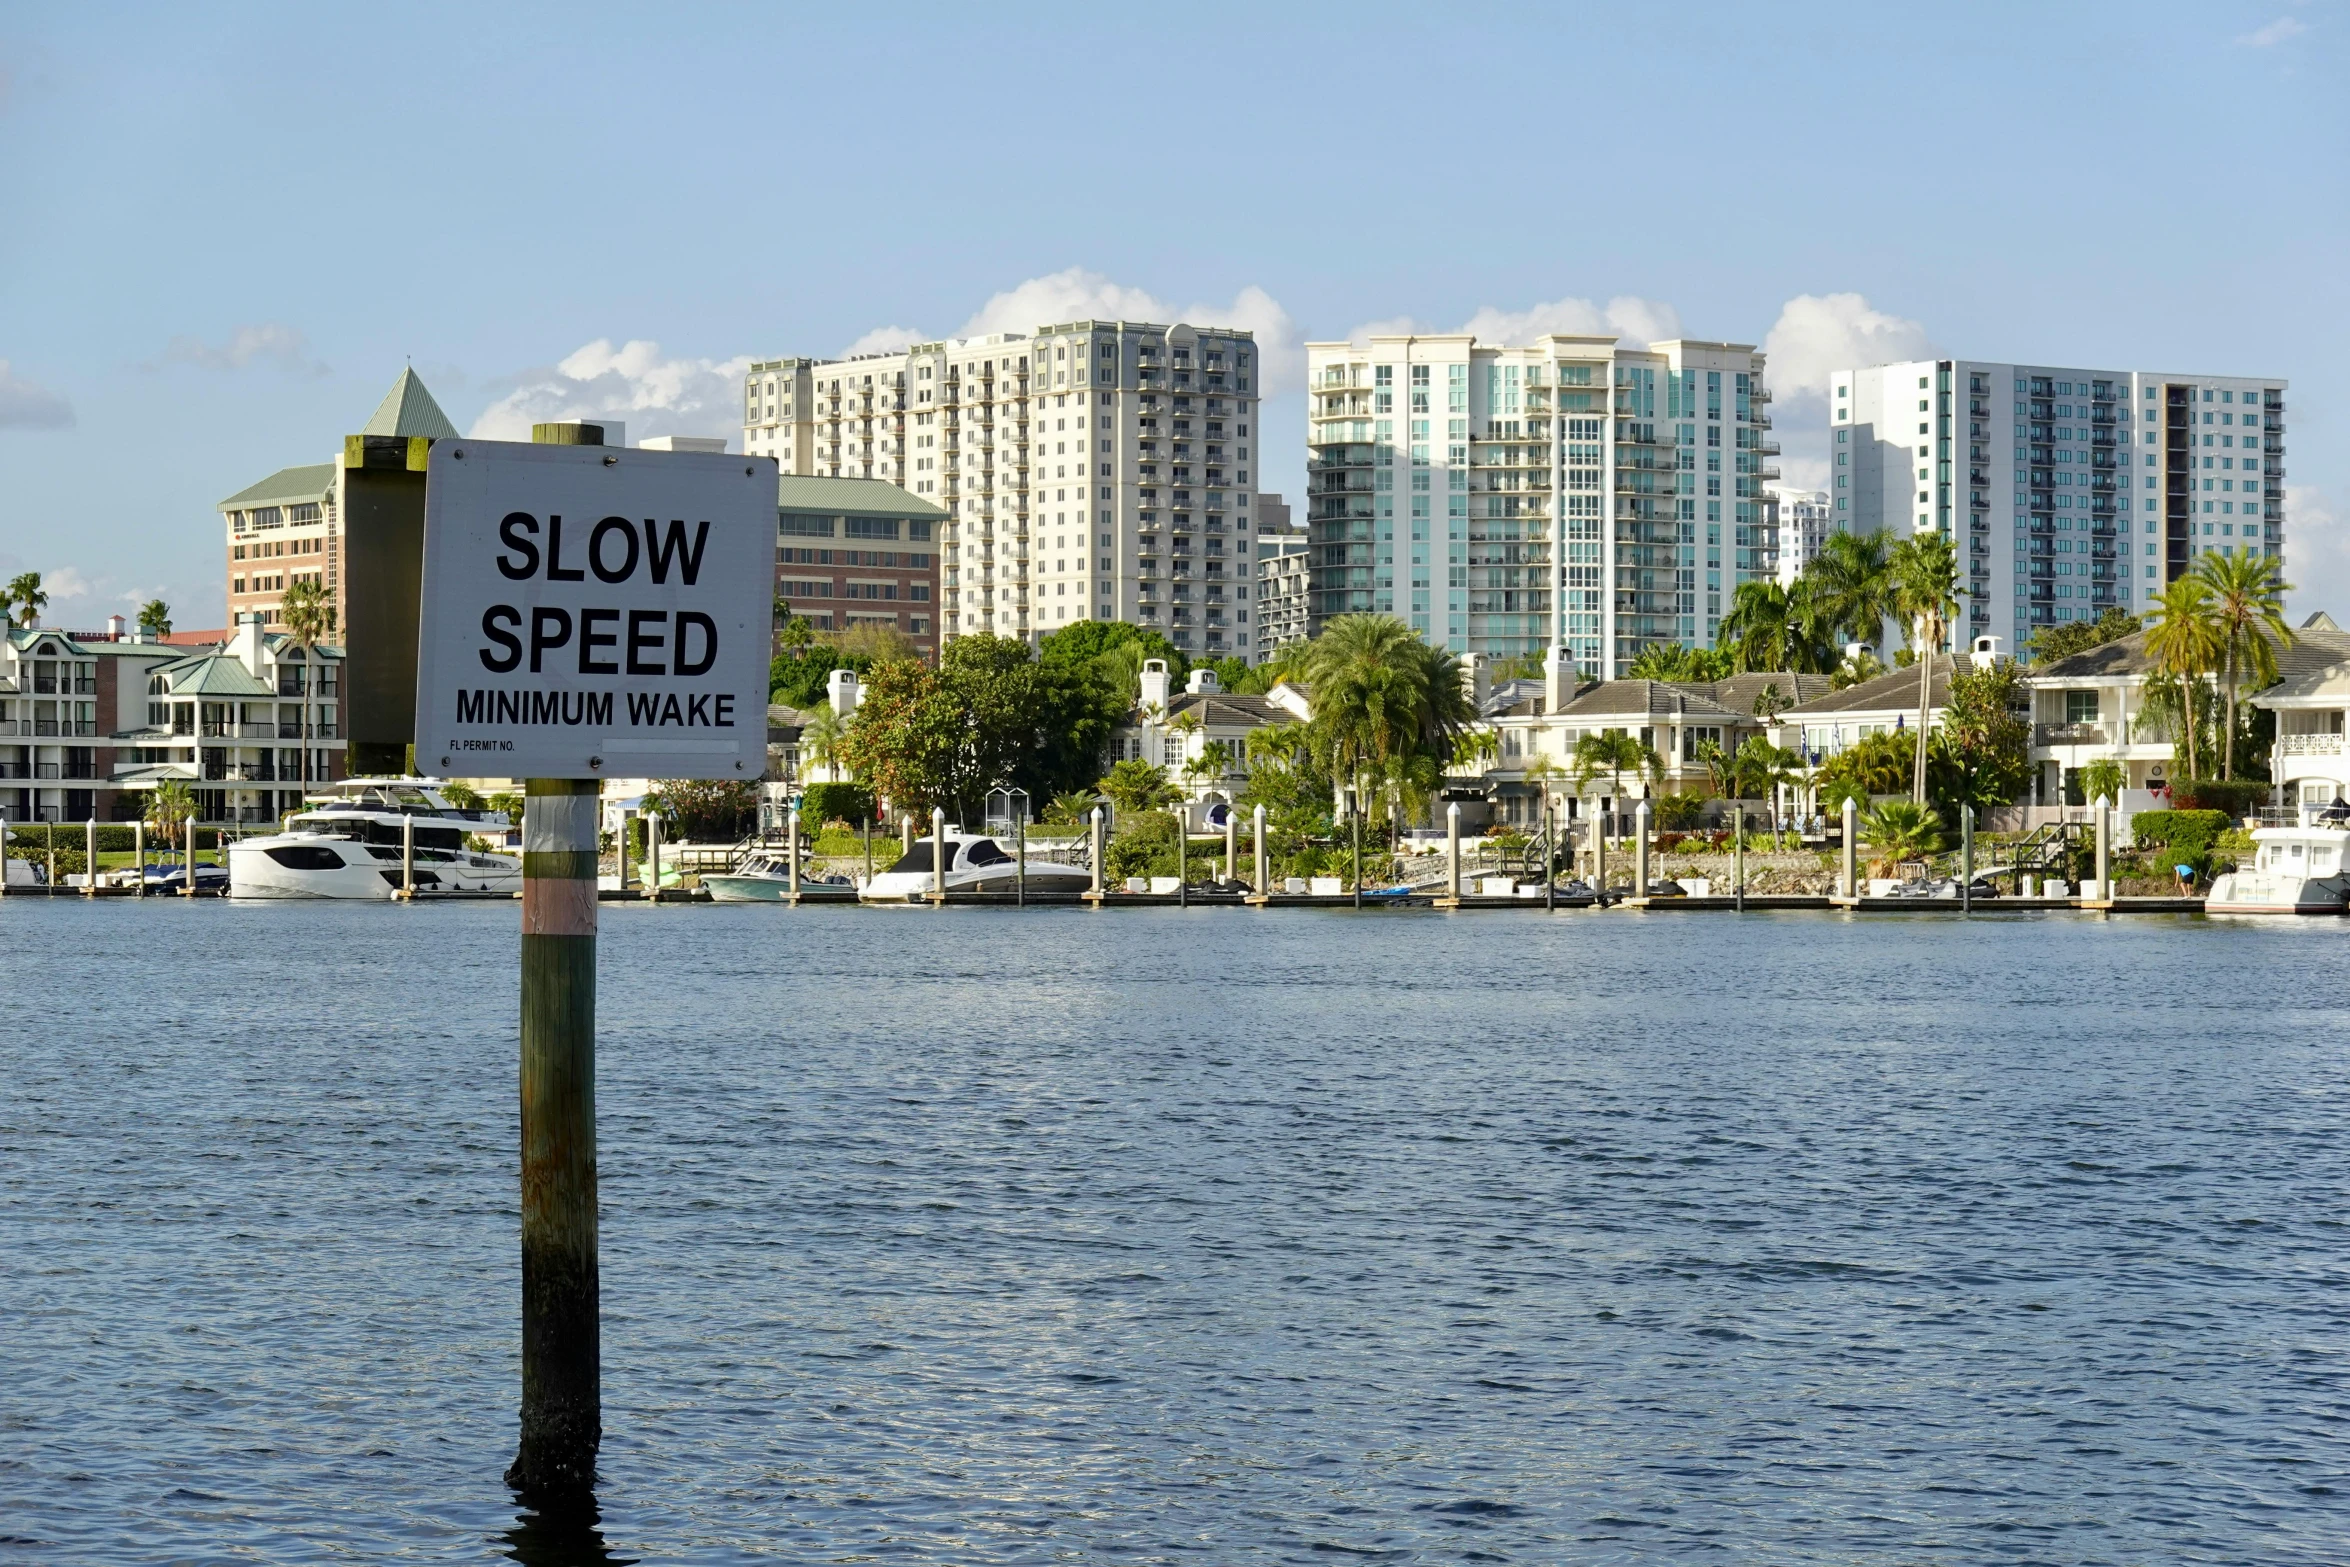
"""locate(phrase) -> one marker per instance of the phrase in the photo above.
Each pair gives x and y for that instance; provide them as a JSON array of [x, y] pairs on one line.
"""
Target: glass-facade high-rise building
[[2069, 492], [1572, 491]]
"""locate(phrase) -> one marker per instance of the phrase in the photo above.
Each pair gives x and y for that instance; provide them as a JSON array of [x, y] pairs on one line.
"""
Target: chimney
[[114, 624], [1476, 679], [843, 691], [1154, 684], [1986, 653], [1203, 682], [1558, 678]]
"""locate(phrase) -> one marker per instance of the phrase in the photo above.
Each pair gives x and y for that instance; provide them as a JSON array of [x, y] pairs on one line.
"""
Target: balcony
[[2068, 734], [2310, 745]]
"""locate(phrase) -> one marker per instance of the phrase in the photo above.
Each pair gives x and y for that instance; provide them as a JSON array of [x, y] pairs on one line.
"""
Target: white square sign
[[594, 612]]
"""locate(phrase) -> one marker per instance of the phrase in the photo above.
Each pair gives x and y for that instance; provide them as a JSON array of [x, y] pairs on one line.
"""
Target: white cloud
[[2317, 552], [269, 342], [655, 395], [1641, 321], [1819, 334], [1075, 294], [2276, 32], [885, 340], [66, 583], [27, 406]]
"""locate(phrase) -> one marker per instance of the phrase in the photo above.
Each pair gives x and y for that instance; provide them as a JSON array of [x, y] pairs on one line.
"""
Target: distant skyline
[[230, 229]]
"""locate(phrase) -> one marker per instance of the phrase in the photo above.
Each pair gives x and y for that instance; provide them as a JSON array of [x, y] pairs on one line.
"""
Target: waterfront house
[[2091, 707], [1199, 736], [2310, 702]]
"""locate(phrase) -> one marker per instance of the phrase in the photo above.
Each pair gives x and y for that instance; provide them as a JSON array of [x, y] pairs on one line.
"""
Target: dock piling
[[90, 858], [1182, 859], [138, 859], [1452, 851], [1258, 824], [1848, 872], [562, 1399], [791, 852], [1096, 855], [1966, 859], [1738, 856], [938, 852], [2104, 848], [407, 855], [1231, 846], [1640, 819]]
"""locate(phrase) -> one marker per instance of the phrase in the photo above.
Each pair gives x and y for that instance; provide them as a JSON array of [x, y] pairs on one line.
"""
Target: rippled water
[[1208, 1236]]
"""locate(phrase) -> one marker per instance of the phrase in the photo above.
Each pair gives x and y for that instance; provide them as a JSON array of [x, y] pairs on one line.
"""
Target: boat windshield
[[986, 851], [917, 859]]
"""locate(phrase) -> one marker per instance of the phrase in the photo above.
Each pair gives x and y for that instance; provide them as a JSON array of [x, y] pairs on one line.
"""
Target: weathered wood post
[[1738, 855], [791, 851], [1599, 855], [938, 851], [906, 832], [1452, 851], [1848, 874], [90, 857], [1020, 854], [2104, 848], [1182, 859], [1550, 849], [3, 854], [1258, 826], [1096, 855], [1640, 850], [1966, 859], [562, 1401], [627, 847], [138, 858], [407, 855], [868, 848]]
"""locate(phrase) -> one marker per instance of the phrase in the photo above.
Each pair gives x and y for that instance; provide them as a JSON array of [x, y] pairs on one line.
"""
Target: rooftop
[[850, 498]]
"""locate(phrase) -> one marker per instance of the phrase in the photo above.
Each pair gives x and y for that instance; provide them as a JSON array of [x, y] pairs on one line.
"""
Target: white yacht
[[975, 863], [766, 878], [347, 844], [2294, 870]]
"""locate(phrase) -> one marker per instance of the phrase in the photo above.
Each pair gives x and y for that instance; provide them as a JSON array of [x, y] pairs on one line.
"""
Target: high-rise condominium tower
[[2068, 492], [1572, 490], [1089, 470]]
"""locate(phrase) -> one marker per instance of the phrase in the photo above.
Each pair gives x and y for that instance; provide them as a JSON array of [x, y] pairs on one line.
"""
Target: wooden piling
[[138, 859], [791, 852], [1182, 859], [1097, 853], [938, 852], [562, 1410], [407, 855], [1848, 875], [1966, 859]]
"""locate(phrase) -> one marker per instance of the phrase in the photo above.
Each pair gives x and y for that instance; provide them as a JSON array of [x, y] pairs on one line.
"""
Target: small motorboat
[[975, 862], [767, 878]]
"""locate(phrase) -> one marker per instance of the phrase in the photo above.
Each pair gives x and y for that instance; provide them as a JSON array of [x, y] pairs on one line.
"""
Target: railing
[[2310, 745], [2068, 734]]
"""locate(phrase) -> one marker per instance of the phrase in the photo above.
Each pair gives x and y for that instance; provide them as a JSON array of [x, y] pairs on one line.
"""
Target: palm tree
[[155, 619], [1614, 753], [308, 615], [821, 736], [1854, 577], [1387, 705], [2184, 639], [1136, 787], [24, 591], [1901, 830], [2248, 603], [169, 804], [1927, 585]]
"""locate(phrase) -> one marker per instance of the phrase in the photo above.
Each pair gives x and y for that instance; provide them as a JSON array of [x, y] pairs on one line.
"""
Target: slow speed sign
[[593, 612]]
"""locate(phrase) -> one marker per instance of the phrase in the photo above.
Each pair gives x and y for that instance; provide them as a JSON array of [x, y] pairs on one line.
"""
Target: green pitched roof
[[850, 498], [408, 409], [215, 676], [312, 482]]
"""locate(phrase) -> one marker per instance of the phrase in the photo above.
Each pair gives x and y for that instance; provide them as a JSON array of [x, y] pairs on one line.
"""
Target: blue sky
[[223, 230]]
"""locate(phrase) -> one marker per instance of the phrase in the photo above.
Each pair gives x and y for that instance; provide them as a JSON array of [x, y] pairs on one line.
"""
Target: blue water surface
[[986, 1236]]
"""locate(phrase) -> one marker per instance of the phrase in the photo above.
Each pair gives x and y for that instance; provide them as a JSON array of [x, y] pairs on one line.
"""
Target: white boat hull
[[299, 868]]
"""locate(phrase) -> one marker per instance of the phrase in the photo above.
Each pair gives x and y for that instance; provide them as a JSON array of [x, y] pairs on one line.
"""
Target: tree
[[171, 805], [463, 796], [709, 810], [2103, 779], [1213, 761], [1859, 669], [1872, 765], [1927, 585], [1854, 583], [2065, 638], [1387, 705], [155, 619], [821, 735], [868, 642], [308, 615], [2185, 642], [1901, 830], [1135, 786], [1614, 753], [1675, 664], [24, 592], [2248, 610], [1982, 752], [1071, 808]]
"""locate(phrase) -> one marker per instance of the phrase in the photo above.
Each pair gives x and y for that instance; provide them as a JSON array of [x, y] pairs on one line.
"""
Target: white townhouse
[[2309, 764], [1177, 731]]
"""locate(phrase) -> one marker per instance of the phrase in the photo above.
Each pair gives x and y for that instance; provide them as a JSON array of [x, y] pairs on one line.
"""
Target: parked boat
[[766, 878], [974, 863], [349, 845], [2294, 870]]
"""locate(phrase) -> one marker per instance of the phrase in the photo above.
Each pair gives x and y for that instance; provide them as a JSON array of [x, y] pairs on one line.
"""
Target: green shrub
[[836, 802], [1679, 812], [2183, 837], [1144, 846], [2236, 797]]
